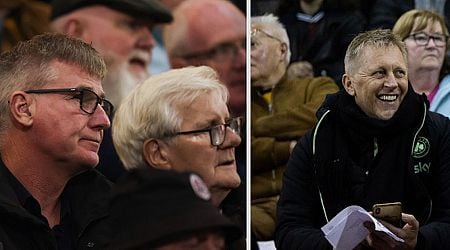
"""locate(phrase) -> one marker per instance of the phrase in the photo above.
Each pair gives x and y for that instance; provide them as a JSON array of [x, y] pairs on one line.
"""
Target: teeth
[[388, 98]]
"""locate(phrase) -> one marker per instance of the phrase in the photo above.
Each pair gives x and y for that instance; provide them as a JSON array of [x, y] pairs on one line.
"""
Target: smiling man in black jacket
[[375, 142]]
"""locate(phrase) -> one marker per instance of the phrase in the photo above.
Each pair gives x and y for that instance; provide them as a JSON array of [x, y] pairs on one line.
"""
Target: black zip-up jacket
[[88, 192], [350, 159]]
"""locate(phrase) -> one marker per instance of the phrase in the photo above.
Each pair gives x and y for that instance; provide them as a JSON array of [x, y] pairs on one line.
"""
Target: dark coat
[[323, 43], [384, 13], [88, 194], [347, 169]]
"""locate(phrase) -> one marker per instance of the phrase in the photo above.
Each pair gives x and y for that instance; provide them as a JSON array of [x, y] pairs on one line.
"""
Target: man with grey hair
[[171, 123], [52, 115], [120, 30], [375, 142], [282, 111]]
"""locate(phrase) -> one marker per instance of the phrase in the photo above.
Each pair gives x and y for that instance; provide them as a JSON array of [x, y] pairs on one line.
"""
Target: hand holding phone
[[389, 212]]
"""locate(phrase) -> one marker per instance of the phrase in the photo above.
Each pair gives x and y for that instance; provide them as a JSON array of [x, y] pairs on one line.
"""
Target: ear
[[155, 154], [348, 85], [22, 108], [73, 28], [284, 50]]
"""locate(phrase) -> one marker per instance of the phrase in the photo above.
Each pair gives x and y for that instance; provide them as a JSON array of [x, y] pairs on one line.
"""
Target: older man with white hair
[[282, 111]]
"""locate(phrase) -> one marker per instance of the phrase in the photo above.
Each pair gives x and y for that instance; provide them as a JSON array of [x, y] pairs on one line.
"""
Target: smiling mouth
[[387, 98]]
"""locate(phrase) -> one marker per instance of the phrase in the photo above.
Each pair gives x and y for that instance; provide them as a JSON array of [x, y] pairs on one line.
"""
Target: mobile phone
[[390, 212]]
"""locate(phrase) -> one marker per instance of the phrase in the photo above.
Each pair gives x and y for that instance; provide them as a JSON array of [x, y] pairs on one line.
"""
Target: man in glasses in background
[[212, 33], [179, 120], [52, 116], [282, 111], [120, 30]]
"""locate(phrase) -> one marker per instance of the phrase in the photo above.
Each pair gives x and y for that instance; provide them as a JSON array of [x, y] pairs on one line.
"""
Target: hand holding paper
[[346, 229]]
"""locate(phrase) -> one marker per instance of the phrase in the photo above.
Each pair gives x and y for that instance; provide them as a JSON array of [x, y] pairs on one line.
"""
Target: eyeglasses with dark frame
[[89, 100], [218, 133], [422, 39]]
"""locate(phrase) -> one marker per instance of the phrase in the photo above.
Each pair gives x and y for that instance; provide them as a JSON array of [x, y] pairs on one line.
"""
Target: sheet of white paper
[[346, 229]]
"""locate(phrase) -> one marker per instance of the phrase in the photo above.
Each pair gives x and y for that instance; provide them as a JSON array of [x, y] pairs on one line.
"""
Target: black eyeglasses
[[222, 52], [423, 39], [89, 100], [217, 133]]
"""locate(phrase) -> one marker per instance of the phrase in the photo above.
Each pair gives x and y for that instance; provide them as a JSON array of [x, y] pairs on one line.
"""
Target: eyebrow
[[101, 94]]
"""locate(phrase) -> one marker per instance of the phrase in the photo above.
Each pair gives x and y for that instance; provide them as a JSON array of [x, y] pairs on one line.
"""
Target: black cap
[[151, 207], [151, 10]]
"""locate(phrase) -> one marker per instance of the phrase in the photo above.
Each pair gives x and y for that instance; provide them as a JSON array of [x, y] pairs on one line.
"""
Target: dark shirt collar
[[63, 232], [21, 193]]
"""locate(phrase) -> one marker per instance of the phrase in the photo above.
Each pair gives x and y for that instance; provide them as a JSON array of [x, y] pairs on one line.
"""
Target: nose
[[232, 139], [145, 41], [391, 81], [429, 44], [99, 119]]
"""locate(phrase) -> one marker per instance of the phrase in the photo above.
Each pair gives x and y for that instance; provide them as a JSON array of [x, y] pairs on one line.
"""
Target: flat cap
[[151, 10]]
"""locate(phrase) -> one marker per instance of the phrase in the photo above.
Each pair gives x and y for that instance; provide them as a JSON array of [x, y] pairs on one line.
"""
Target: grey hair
[[151, 110], [272, 26]]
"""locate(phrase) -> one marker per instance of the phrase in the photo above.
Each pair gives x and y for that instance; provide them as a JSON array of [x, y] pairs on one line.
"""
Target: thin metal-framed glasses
[[218, 133], [255, 31], [89, 100], [423, 39]]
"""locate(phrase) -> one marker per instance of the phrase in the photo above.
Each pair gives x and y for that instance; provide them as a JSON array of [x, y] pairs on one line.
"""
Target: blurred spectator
[[299, 70], [320, 31], [212, 33], [21, 20], [120, 31], [179, 120], [426, 37], [282, 111], [156, 209], [261, 7], [160, 60]]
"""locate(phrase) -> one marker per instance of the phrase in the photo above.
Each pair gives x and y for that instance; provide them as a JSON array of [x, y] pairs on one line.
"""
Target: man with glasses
[[120, 30], [179, 120], [52, 115], [425, 35], [282, 111], [212, 33]]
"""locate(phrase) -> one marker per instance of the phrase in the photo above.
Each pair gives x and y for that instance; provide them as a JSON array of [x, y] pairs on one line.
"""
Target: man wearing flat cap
[[142, 217], [120, 30]]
